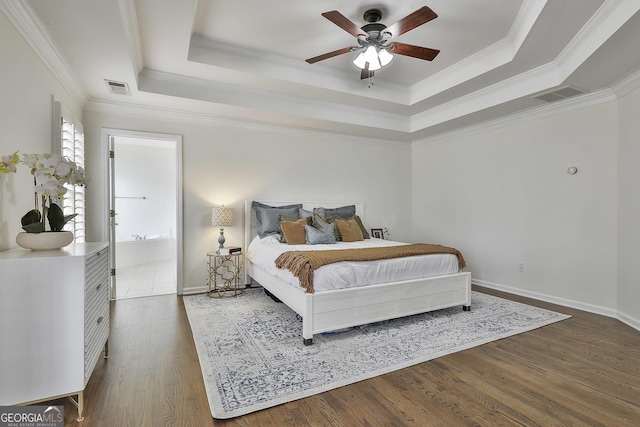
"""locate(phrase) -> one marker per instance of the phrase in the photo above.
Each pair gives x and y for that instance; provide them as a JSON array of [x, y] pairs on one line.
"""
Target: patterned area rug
[[252, 357]]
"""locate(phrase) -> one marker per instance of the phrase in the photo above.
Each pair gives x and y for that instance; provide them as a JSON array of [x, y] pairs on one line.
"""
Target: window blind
[[69, 141]]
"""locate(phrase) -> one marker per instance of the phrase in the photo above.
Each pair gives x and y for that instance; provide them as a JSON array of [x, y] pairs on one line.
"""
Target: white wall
[[227, 162], [26, 87], [502, 196], [629, 208]]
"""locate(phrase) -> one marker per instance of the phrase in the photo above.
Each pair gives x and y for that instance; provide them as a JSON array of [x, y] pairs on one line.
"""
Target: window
[[69, 141]]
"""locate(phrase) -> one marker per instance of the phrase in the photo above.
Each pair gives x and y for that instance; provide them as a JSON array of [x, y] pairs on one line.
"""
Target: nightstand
[[224, 274]]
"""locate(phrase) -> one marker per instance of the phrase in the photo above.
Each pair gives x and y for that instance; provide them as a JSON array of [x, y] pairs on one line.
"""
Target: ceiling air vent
[[118, 88], [558, 94]]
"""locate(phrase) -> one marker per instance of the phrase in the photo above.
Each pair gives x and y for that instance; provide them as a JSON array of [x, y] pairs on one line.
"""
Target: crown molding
[[569, 104], [627, 83], [499, 53], [162, 83], [132, 33], [25, 20], [515, 87], [608, 19], [623, 86], [205, 119], [526, 18], [603, 24]]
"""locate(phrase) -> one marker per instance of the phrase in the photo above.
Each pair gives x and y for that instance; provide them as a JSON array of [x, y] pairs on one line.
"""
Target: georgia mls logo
[[32, 416], [56, 411]]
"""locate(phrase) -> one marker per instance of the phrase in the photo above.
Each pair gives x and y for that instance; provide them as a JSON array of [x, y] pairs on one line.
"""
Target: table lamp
[[221, 217]]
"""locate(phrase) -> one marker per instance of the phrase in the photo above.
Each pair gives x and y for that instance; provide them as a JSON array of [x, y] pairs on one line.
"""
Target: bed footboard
[[345, 308], [331, 310]]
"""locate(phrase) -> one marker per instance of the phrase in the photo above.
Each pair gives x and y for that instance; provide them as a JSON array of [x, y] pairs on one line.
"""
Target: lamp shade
[[385, 57], [221, 216], [360, 61], [371, 56]]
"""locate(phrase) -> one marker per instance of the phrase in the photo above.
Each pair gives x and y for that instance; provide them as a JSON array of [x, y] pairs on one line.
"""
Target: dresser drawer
[[96, 309], [95, 268], [96, 290], [96, 336], [92, 316], [97, 299]]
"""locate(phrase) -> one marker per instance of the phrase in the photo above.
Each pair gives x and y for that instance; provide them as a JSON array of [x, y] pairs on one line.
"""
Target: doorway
[[145, 221]]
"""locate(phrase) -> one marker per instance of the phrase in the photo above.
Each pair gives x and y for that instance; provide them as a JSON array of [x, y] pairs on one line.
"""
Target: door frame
[[107, 134]]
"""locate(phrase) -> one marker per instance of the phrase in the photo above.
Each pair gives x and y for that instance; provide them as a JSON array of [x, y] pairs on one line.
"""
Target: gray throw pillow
[[320, 223], [343, 211], [268, 217], [304, 213], [320, 236]]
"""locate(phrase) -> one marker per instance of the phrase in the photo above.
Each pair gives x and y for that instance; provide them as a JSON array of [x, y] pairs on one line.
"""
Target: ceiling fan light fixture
[[385, 57], [373, 66], [371, 55], [360, 62], [373, 38]]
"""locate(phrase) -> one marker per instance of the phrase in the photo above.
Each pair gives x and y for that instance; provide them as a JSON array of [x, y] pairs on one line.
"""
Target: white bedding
[[263, 253]]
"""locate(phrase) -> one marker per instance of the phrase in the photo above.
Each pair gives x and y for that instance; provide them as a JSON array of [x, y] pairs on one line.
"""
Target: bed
[[328, 309]]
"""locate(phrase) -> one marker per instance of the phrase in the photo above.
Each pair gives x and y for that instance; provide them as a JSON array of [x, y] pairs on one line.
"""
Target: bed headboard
[[250, 216]]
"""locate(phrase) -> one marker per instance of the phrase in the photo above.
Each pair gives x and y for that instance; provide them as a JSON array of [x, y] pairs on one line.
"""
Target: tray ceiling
[[245, 59]]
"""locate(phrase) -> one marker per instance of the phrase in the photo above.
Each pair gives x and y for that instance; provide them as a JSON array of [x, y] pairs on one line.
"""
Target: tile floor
[[156, 278]]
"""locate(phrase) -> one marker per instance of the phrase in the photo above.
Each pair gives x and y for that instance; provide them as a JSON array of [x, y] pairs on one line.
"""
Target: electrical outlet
[[521, 266]]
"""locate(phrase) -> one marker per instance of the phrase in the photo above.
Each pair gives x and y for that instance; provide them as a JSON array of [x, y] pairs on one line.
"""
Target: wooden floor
[[584, 371]]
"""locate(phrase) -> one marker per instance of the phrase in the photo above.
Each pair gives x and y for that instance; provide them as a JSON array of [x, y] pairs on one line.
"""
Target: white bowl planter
[[46, 241]]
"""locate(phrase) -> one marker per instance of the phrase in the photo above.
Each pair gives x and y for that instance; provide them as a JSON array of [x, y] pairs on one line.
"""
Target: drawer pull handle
[[99, 286], [100, 319]]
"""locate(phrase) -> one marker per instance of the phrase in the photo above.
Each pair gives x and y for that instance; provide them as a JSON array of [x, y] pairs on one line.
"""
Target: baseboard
[[549, 298], [624, 318], [195, 290], [631, 321]]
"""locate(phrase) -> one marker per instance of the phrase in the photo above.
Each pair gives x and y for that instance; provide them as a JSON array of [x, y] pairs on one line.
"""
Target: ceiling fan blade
[[419, 52], [411, 21], [366, 73], [341, 21], [328, 55]]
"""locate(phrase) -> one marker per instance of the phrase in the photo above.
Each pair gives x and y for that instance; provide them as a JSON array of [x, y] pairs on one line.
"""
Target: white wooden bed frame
[[336, 309]]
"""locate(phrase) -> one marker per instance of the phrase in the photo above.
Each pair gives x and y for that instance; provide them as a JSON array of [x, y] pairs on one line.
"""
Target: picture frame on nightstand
[[377, 233]]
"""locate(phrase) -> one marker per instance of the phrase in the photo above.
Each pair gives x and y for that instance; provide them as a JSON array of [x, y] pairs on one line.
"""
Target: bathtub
[[134, 252]]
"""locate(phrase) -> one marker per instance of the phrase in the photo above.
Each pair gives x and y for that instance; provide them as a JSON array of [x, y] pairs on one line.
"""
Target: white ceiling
[[244, 59]]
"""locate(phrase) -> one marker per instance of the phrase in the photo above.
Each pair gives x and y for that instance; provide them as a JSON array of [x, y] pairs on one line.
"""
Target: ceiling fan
[[374, 39]]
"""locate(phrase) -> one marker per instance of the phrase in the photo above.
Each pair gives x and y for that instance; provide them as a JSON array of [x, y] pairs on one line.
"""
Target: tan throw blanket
[[303, 263]]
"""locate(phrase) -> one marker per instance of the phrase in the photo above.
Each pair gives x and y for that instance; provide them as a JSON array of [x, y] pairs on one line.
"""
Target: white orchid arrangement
[[50, 174], [8, 163]]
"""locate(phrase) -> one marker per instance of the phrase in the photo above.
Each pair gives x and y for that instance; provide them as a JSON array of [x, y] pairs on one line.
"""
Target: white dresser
[[54, 321]]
